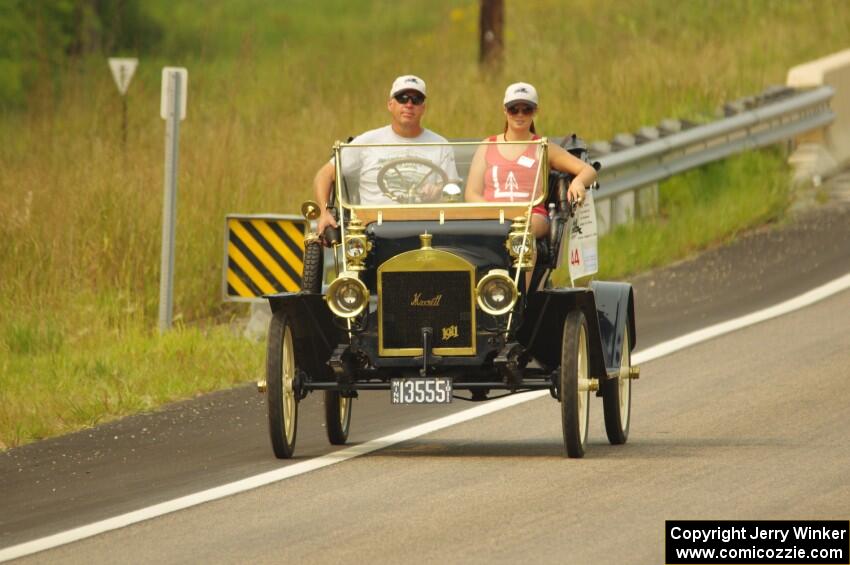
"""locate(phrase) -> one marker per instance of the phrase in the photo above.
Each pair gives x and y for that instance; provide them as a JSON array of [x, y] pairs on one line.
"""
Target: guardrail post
[[622, 205], [603, 215], [623, 208], [647, 201]]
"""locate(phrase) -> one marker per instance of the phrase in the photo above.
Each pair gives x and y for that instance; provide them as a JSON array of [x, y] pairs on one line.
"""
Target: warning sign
[[122, 71], [264, 254]]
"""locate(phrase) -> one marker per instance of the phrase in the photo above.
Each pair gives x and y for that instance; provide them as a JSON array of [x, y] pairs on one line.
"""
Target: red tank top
[[508, 180]]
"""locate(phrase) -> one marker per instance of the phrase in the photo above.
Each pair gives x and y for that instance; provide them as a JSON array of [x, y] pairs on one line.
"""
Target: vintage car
[[435, 295]]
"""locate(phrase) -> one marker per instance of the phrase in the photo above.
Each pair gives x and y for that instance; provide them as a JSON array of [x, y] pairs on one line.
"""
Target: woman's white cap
[[520, 92], [408, 82]]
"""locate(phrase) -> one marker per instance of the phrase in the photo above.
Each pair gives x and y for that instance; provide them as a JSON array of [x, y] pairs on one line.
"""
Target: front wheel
[[617, 397], [574, 384], [281, 391], [337, 417]]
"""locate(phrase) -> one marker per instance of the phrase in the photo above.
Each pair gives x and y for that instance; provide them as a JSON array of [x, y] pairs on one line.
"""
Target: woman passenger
[[506, 172]]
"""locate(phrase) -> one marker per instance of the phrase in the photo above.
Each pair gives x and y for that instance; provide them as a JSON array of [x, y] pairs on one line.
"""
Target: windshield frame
[[443, 210]]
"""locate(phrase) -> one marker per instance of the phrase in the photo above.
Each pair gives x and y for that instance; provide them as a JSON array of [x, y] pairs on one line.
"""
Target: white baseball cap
[[408, 82], [520, 92]]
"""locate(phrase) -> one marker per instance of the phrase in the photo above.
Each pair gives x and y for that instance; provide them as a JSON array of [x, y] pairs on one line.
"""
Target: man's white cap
[[408, 82], [520, 92]]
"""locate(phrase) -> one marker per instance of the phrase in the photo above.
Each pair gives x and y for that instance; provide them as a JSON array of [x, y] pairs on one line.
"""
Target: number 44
[[575, 259]]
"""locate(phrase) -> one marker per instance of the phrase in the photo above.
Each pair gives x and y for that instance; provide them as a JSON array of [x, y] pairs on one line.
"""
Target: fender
[[313, 331], [606, 307], [615, 304], [542, 329]]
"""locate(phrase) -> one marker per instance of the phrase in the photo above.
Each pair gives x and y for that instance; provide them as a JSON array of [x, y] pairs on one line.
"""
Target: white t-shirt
[[368, 161]]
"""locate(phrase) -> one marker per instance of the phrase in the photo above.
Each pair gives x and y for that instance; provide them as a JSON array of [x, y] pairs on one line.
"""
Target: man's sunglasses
[[404, 98], [524, 110]]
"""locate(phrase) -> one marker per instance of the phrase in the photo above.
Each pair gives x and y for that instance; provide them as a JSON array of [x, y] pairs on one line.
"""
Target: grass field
[[271, 86]]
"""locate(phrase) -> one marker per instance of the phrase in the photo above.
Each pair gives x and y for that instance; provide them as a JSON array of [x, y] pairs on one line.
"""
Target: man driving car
[[406, 105]]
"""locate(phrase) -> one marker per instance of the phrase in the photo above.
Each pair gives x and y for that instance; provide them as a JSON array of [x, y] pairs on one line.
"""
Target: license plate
[[433, 390]]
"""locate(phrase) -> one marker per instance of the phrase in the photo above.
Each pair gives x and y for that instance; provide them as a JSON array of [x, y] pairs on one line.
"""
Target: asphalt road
[[744, 426]]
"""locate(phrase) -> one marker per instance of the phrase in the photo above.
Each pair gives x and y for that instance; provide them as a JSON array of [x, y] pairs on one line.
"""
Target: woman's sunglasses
[[524, 110], [404, 98]]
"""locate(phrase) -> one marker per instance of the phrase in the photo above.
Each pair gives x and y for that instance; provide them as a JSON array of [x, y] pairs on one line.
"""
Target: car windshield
[[464, 179]]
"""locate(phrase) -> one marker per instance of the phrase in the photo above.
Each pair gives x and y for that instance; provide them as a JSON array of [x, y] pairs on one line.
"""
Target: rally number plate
[[433, 390]]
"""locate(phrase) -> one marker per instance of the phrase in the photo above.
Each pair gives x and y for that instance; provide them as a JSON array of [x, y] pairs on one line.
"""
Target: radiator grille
[[440, 300]]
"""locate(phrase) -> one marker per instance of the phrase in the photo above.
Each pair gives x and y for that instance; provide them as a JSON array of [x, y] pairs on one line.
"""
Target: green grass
[[699, 209], [55, 380], [271, 86]]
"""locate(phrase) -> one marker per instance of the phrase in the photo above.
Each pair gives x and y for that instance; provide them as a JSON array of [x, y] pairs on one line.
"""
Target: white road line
[[296, 469], [681, 342]]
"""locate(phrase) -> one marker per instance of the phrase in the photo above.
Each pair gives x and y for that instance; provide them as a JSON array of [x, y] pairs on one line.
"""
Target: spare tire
[[311, 277]]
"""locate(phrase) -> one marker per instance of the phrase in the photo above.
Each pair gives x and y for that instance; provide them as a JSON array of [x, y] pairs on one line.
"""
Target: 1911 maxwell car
[[433, 298]]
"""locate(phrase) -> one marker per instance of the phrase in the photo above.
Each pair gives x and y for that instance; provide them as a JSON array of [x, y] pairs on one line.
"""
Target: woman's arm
[[474, 191], [562, 160]]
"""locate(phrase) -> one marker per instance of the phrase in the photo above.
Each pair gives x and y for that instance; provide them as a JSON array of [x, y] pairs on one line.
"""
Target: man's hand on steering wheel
[[431, 192], [394, 180]]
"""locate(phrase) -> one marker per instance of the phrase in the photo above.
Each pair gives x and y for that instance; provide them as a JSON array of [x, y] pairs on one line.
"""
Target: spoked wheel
[[337, 416], [311, 278], [281, 391], [617, 397], [574, 384]]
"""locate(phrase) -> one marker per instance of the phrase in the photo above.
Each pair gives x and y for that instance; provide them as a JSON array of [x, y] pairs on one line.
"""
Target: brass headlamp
[[521, 244], [311, 211], [496, 293], [357, 245], [347, 295]]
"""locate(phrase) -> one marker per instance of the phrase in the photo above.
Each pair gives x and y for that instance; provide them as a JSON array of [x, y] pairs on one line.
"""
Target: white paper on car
[[583, 258]]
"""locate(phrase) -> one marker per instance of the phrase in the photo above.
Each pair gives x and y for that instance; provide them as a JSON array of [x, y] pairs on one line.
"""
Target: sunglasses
[[404, 98], [524, 110]]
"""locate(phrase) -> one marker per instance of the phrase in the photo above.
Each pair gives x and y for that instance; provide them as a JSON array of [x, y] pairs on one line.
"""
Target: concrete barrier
[[825, 151]]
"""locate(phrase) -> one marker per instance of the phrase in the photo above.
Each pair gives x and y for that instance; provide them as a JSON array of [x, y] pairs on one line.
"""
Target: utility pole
[[491, 44]]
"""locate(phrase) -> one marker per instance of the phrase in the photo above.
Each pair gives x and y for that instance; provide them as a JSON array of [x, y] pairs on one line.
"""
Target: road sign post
[[122, 71], [173, 110]]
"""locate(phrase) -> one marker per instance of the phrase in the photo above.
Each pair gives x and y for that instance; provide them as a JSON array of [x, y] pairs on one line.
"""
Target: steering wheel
[[404, 179]]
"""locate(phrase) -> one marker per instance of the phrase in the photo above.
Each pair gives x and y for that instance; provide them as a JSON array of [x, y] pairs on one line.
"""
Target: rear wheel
[[281, 391], [311, 278], [617, 397], [574, 384], [337, 416]]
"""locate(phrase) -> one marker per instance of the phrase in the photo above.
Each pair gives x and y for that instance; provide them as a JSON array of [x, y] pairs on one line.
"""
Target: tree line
[[39, 38]]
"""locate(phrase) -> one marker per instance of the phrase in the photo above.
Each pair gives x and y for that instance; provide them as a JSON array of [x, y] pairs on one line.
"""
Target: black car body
[[432, 291]]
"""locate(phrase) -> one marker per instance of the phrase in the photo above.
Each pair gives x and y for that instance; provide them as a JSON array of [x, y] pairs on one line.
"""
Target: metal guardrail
[[651, 161]]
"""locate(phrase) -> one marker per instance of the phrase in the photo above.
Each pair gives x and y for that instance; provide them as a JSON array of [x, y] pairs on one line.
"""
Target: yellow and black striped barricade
[[263, 254]]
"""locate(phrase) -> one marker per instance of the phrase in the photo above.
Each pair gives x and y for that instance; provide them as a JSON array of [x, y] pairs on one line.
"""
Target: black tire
[[311, 277], [337, 417], [281, 387], [617, 397], [575, 403]]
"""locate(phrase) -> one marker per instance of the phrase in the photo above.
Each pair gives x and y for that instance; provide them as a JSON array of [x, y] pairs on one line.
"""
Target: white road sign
[[122, 71], [582, 252], [167, 73]]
